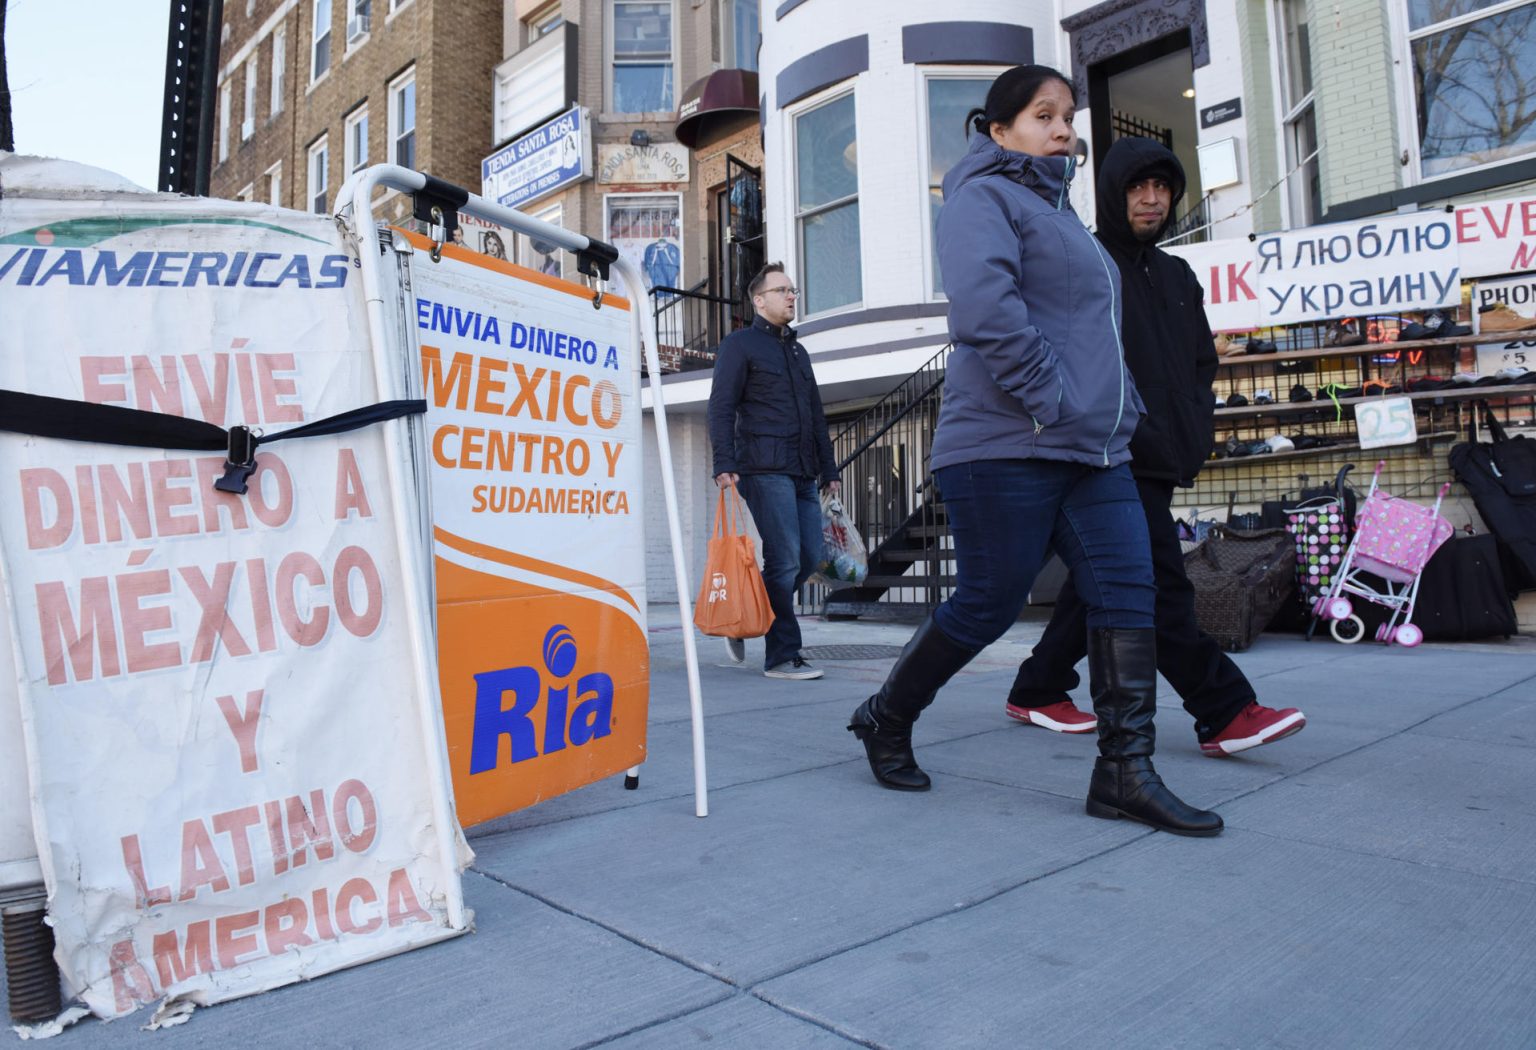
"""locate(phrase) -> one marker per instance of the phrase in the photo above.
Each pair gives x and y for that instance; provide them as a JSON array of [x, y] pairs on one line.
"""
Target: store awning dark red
[[715, 103]]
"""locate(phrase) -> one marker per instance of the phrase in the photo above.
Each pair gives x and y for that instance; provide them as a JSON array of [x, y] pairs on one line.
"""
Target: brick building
[[628, 65], [311, 90]]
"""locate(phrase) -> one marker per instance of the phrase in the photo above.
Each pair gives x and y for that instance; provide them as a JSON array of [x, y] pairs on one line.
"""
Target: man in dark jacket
[[1171, 355], [770, 437]]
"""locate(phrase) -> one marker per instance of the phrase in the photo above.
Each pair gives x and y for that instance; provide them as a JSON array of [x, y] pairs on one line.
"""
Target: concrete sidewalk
[[1375, 886]]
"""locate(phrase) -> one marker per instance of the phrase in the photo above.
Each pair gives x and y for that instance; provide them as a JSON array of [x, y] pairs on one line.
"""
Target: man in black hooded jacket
[[1172, 356]]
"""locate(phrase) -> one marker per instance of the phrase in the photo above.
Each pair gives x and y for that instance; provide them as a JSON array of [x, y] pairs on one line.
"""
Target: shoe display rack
[[1294, 400]]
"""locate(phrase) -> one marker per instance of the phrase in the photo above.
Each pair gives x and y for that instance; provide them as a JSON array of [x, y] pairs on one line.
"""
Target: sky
[[87, 80]]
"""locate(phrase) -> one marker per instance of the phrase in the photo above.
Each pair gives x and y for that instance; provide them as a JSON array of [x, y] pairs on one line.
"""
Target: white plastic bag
[[843, 559]]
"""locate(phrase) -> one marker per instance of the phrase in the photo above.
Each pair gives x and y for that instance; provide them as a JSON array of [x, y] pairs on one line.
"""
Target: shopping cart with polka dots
[[1393, 541]]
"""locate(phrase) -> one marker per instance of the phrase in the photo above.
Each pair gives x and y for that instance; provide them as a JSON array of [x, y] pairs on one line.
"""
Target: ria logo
[[590, 718], [717, 588]]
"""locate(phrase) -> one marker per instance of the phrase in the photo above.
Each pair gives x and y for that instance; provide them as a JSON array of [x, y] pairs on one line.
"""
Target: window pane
[[405, 107], [935, 201], [948, 103], [405, 150], [642, 30], [646, 231], [642, 89], [357, 144], [1306, 185], [744, 33], [826, 153], [1423, 13], [1298, 51], [322, 36], [279, 44], [1476, 87], [831, 275]]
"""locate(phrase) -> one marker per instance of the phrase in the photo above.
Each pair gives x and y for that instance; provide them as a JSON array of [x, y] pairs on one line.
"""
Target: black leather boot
[[1122, 673], [884, 721]]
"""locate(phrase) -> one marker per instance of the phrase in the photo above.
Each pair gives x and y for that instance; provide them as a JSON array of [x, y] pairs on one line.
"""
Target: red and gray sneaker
[[1060, 717], [1253, 726]]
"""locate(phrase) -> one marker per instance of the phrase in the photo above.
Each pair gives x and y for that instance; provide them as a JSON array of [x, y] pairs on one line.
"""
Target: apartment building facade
[[621, 70], [311, 90]]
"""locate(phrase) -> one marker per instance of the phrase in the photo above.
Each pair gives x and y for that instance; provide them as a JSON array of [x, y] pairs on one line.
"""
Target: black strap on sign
[[56, 417]]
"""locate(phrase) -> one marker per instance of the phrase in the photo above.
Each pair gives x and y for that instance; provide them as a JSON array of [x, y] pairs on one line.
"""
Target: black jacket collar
[[762, 324]]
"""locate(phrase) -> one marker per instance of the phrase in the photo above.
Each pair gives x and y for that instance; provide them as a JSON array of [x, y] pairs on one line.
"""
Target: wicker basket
[[1240, 580]]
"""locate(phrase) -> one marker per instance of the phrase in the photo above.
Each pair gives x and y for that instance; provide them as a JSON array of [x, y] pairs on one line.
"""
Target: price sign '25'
[[1388, 421]]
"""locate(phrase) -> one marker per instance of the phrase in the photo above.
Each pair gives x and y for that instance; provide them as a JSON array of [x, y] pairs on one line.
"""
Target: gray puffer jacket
[[1034, 312]]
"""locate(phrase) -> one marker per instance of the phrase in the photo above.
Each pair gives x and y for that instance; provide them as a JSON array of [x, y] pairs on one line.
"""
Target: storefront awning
[[715, 102]]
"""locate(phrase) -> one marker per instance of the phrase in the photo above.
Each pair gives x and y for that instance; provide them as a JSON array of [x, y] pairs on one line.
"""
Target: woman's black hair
[[1010, 93]]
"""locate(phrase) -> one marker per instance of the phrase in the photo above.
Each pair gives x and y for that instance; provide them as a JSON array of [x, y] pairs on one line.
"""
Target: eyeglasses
[[788, 289]]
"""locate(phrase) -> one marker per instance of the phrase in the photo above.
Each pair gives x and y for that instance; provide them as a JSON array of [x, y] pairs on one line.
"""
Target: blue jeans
[[787, 512], [1006, 514]]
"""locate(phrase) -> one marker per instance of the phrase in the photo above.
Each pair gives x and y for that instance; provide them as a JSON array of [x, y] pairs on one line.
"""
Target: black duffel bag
[[1462, 594], [1501, 476]]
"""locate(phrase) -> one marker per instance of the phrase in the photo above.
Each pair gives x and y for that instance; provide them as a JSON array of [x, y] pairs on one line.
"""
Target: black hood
[[1130, 159]]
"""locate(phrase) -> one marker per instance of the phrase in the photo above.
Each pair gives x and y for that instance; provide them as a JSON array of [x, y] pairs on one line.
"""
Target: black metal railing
[[889, 494], [1192, 227], [690, 324], [1124, 125]]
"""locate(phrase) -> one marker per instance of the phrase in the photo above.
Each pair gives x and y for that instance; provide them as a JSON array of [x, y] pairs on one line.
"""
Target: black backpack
[[1501, 476]]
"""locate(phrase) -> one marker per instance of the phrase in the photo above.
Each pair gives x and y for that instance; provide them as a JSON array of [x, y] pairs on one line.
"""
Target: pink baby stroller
[[1394, 539]]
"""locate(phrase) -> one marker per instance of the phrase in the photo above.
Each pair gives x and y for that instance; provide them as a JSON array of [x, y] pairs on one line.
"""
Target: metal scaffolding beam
[[191, 87]]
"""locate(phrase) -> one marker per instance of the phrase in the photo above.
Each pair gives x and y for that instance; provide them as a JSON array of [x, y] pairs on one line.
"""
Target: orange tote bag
[[732, 601]]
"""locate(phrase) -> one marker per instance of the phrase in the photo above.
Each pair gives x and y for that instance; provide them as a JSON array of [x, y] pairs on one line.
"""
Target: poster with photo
[[542, 256], [646, 228], [484, 237]]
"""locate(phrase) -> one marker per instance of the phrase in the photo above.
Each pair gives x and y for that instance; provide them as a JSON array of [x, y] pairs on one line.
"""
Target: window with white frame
[[949, 100], [827, 206], [544, 22], [402, 120], [274, 176], [395, 5], [646, 228], [1298, 113], [359, 14], [737, 22], [541, 255], [226, 99], [247, 193], [640, 52], [320, 49], [248, 117], [355, 148], [279, 62], [319, 163], [1474, 82]]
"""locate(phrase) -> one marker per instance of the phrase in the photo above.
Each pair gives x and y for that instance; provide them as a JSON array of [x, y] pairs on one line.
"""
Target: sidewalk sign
[[533, 431], [533, 392], [236, 772]]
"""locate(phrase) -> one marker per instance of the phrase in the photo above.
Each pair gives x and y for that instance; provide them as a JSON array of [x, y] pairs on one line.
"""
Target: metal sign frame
[[355, 212]]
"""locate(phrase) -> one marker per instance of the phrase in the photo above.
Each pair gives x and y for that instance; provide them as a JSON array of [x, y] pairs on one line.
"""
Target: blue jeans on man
[[787, 512]]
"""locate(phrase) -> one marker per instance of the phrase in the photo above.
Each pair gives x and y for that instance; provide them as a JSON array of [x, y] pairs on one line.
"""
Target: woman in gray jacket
[[1032, 449]]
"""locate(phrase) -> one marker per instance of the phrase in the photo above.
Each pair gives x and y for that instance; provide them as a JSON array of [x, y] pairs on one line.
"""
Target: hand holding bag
[[732, 601], [843, 560]]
